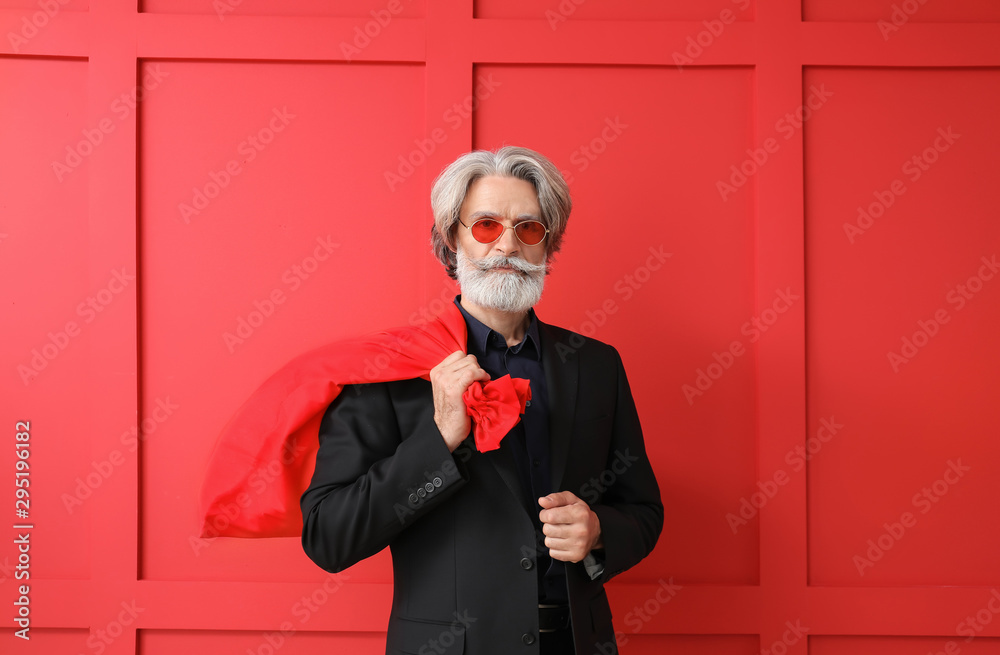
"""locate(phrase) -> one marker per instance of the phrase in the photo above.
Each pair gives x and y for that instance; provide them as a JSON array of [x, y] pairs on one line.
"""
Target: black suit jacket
[[458, 525]]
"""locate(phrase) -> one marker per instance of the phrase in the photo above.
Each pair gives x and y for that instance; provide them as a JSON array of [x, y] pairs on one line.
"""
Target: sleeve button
[[421, 492], [437, 482], [413, 499], [429, 487]]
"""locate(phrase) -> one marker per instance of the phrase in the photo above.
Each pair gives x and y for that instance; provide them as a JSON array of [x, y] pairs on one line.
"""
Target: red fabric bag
[[265, 456]]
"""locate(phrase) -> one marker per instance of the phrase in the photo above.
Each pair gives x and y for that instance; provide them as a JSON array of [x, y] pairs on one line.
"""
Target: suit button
[[437, 482], [526, 564], [413, 499], [429, 487], [421, 492], [527, 638]]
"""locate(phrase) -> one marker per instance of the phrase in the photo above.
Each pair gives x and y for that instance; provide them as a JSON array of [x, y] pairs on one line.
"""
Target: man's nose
[[507, 244]]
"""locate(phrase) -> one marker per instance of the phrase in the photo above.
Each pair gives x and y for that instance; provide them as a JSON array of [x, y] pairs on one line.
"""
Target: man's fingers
[[451, 362], [560, 550], [562, 555], [458, 354], [558, 499], [564, 515], [568, 531], [473, 371], [458, 367], [455, 373], [551, 517]]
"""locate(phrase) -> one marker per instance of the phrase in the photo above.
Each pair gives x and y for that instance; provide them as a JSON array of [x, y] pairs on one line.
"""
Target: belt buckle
[[544, 606]]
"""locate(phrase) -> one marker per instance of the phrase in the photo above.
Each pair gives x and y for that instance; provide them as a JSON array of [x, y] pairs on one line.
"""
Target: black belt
[[553, 617]]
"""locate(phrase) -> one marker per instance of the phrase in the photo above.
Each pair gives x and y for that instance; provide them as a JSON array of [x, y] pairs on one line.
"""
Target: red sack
[[265, 456]]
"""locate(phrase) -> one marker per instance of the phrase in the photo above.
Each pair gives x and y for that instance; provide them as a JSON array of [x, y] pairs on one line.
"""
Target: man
[[505, 551]]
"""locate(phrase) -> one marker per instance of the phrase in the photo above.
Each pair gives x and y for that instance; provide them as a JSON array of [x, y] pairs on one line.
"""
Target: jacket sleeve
[[372, 480], [630, 509]]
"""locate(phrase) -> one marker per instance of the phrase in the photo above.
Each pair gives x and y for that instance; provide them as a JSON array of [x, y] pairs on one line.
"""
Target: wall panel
[[223, 9], [900, 645], [557, 13], [236, 155], [50, 309], [897, 14], [900, 353]]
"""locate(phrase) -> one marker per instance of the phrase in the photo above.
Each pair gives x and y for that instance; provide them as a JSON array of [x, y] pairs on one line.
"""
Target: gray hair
[[452, 185]]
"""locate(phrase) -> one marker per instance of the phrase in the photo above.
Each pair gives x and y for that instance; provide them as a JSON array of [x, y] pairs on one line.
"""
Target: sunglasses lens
[[530, 232], [486, 230]]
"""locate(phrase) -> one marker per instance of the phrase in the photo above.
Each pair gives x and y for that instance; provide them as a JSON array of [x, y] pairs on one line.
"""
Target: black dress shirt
[[529, 439]]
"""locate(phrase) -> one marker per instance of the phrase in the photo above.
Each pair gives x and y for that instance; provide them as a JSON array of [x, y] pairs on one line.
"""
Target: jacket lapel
[[561, 377], [561, 372], [502, 460]]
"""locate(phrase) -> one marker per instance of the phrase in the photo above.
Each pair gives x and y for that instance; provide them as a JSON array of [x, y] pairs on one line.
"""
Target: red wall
[[785, 219]]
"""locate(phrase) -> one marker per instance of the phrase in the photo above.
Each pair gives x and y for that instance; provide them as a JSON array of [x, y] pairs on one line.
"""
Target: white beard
[[514, 291]]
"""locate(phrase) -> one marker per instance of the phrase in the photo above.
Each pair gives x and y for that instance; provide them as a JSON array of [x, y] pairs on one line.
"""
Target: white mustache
[[500, 261]]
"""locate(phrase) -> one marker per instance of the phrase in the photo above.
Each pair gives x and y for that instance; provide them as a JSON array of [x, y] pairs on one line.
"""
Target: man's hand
[[571, 528], [450, 379]]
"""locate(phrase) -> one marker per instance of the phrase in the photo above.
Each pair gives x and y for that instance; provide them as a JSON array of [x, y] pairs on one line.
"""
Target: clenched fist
[[571, 528]]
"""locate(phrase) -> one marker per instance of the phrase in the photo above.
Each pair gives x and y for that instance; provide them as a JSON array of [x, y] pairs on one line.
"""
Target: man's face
[[508, 200], [506, 274]]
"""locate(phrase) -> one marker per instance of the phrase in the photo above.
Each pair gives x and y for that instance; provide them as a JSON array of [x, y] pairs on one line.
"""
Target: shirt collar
[[480, 333]]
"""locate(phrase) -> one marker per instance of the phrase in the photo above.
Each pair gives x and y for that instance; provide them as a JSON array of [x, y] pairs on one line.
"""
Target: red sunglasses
[[488, 230]]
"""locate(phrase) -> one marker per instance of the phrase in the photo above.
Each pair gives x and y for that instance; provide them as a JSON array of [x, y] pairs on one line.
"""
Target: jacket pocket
[[424, 637]]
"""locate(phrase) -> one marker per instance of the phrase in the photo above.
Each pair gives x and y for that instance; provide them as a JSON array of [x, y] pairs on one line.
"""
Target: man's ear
[[453, 246]]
